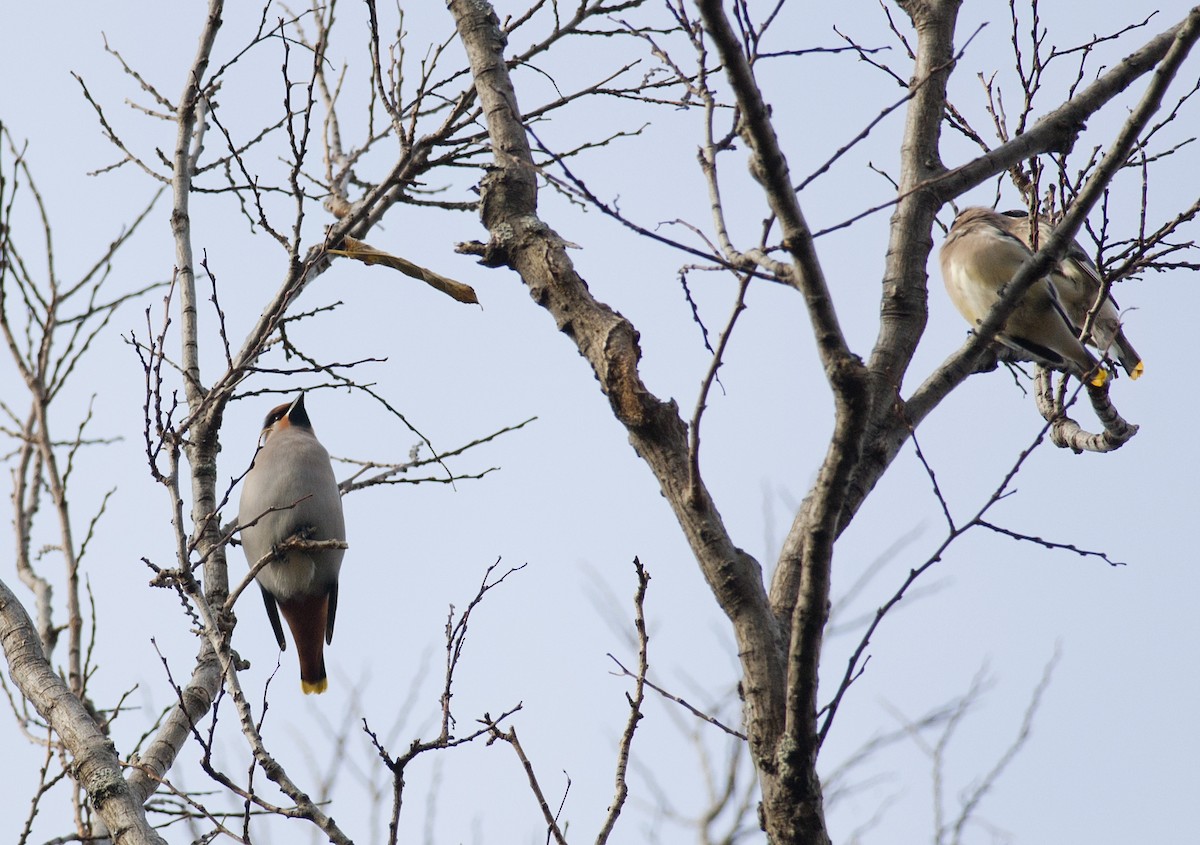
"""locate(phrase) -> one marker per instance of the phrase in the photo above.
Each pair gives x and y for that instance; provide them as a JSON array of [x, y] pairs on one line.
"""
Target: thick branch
[[196, 699], [610, 345], [793, 807], [95, 764]]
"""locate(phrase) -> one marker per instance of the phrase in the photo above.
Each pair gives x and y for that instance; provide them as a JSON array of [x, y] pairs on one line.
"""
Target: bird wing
[[333, 596], [273, 615]]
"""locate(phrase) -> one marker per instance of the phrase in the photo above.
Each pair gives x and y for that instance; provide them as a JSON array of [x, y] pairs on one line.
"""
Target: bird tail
[[306, 617], [1127, 355]]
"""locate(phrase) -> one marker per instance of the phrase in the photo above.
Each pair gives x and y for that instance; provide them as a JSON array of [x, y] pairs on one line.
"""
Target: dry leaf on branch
[[368, 254]]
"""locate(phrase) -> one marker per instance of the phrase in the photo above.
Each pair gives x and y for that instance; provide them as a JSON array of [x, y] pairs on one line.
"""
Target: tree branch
[[519, 239], [96, 767]]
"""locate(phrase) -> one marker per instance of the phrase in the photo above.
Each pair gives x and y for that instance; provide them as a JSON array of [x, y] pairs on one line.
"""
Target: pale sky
[[1113, 753]]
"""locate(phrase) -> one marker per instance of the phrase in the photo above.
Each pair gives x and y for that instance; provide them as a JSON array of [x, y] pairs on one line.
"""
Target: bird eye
[[275, 416]]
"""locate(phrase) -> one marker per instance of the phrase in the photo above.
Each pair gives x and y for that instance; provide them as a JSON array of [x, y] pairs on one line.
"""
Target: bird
[[979, 258], [290, 490], [1077, 282]]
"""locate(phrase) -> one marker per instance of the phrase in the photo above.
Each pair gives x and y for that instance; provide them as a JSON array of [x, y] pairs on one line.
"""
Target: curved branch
[[1066, 433]]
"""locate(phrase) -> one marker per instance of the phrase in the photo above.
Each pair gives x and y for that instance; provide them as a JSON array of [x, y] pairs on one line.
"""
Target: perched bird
[[290, 490], [979, 259], [1077, 282]]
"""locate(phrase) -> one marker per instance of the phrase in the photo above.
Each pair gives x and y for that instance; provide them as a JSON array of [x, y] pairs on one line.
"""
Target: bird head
[[285, 416]]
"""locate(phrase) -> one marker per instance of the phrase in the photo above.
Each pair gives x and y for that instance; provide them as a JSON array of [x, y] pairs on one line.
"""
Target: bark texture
[[94, 758], [779, 634], [521, 240]]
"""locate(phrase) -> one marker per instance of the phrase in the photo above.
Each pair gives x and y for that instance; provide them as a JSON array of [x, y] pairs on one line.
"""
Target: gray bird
[[292, 474], [979, 259], [1077, 282]]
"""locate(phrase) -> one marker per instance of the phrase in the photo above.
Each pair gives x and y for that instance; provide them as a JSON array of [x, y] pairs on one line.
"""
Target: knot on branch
[[480, 250], [176, 579], [990, 359], [507, 192], [240, 663], [621, 381], [1066, 132], [507, 235], [104, 784], [1066, 433], [849, 377]]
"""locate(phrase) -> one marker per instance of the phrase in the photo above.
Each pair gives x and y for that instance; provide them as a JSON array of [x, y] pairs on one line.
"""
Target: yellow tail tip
[[318, 687], [1137, 371], [1100, 377]]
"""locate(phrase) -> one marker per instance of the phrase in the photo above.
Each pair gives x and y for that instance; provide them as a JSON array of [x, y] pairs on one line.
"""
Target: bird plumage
[[290, 490], [1077, 282], [979, 259]]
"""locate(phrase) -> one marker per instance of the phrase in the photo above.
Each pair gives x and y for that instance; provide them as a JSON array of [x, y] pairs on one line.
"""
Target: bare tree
[[318, 178]]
